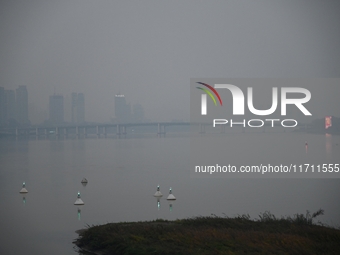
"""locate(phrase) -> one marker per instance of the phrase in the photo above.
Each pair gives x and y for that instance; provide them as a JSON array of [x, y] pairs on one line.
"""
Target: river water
[[122, 177]]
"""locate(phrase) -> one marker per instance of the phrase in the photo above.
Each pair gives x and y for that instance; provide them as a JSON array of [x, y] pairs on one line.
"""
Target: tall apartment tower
[[56, 109], [74, 107], [122, 109], [138, 113], [10, 106], [14, 107], [78, 108], [22, 105], [2, 106]]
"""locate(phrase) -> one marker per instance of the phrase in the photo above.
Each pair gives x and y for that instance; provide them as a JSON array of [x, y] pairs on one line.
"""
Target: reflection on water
[[79, 213], [171, 203], [329, 144], [24, 199], [122, 175], [158, 203]]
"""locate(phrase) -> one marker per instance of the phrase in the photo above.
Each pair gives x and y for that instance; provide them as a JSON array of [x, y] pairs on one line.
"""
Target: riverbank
[[214, 235]]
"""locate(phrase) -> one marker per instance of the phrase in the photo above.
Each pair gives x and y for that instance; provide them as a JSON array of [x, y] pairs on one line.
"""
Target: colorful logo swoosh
[[209, 93]]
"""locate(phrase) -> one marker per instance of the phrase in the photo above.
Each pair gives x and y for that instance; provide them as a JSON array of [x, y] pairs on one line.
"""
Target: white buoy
[[171, 196], [158, 193], [23, 190], [84, 180], [79, 201]]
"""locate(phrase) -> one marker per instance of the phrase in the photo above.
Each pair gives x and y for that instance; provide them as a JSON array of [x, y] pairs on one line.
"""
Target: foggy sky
[[149, 50]]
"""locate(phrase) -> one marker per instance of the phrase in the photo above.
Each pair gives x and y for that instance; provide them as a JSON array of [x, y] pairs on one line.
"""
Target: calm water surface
[[123, 175]]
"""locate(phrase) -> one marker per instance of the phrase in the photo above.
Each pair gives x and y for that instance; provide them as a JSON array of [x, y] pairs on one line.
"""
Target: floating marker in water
[[84, 180], [79, 201], [171, 196], [158, 193], [23, 190]]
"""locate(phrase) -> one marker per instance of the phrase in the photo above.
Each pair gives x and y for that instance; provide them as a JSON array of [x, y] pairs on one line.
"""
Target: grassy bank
[[214, 235]]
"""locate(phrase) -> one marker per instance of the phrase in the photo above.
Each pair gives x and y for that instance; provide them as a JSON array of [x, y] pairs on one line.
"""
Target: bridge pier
[[100, 130], [97, 131], [161, 130], [124, 130], [118, 130]]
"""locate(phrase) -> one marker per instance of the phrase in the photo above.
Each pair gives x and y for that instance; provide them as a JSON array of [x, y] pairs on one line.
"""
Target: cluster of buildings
[[124, 113], [14, 107], [56, 109]]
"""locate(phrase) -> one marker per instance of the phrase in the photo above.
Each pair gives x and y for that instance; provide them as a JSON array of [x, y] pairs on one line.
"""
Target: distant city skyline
[[124, 113], [15, 105], [16, 109]]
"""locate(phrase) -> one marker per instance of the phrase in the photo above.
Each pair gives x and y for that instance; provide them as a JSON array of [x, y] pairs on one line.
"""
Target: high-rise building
[[14, 107], [138, 113], [122, 109], [78, 108], [2, 106], [74, 107], [56, 109], [22, 105], [10, 115]]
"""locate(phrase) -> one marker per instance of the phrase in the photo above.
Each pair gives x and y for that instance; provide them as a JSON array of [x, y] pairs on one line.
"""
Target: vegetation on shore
[[214, 235]]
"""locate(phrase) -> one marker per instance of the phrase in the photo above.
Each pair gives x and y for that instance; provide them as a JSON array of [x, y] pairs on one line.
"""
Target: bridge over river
[[119, 130], [89, 129]]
